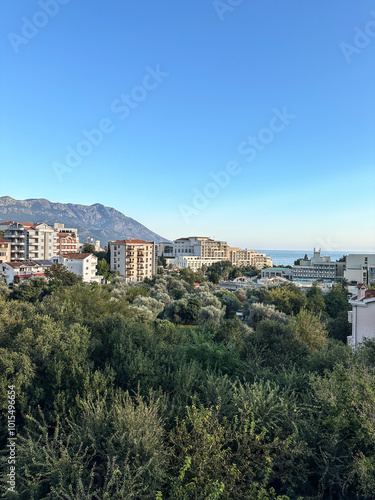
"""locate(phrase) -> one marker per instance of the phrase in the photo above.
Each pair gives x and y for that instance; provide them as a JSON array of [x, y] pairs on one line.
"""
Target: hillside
[[100, 222]]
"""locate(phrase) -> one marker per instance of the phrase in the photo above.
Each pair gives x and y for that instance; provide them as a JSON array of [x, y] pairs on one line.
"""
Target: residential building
[[31, 241], [81, 264], [24, 270], [317, 268], [133, 259], [201, 246], [66, 243], [360, 268], [196, 251], [362, 316], [276, 272], [239, 257], [4, 250], [192, 262]]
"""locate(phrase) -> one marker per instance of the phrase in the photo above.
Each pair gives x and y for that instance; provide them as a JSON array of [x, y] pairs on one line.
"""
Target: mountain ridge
[[97, 221]]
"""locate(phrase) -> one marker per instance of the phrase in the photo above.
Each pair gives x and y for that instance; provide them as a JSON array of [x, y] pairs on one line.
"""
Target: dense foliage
[[159, 391]]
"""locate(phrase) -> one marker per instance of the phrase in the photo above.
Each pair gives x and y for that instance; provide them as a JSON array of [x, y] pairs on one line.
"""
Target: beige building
[[31, 241], [197, 251], [362, 316], [133, 259], [4, 250], [201, 246], [240, 257]]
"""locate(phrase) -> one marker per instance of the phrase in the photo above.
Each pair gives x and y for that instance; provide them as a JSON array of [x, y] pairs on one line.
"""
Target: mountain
[[99, 222]]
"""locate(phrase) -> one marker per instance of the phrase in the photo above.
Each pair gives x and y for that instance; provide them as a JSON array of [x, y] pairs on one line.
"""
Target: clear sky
[[278, 94]]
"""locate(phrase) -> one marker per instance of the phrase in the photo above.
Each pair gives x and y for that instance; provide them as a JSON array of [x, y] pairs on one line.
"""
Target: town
[[30, 250]]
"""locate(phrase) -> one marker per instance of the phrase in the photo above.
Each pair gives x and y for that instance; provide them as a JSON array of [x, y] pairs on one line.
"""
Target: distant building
[[4, 250], [196, 251], [67, 239], [192, 262], [31, 241], [362, 316], [360, 268], [96, 243], [201, 246], [81, 264], [317, 268], [133, 259], [239, 257], [24, 270], [276, 272]]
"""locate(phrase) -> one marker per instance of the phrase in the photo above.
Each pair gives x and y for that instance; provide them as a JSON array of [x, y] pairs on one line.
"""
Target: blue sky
[[217, 74]]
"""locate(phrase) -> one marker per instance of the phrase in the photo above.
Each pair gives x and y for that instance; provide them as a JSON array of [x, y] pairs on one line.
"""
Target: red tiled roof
[[16, 264], [78, 256], [370, 294], [2, 240], [7, 222]]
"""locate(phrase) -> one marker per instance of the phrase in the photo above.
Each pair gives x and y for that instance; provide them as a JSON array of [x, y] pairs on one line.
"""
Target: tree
[[309, 330], [210, 314], [336, 300], [88, 248], [315, 299], [58, 272], [289, 299], [256, 312]]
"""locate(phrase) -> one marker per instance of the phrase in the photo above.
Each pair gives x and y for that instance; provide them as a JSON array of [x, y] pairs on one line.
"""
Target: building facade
[[360, 268], [66, 243], [317, 268], [276, 272], [67, 239], [18, 271], [197, 251], [4, 250], [133, 259], [362, 316], [31, 241], [81, 264], [239, 257]]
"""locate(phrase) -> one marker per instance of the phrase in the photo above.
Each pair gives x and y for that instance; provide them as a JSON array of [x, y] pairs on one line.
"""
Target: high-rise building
[[31, 241], [133, 259]]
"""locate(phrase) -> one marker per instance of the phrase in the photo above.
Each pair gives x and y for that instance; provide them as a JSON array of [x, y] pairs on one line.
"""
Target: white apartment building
[[31, 241], [276, 272], [316, 268], [24, 270], [360, 268], [362, 316], [81, 264], [192, 262], [133, 259]]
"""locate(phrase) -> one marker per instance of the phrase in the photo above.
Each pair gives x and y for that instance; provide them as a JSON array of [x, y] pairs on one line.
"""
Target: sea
[[288, 257]]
